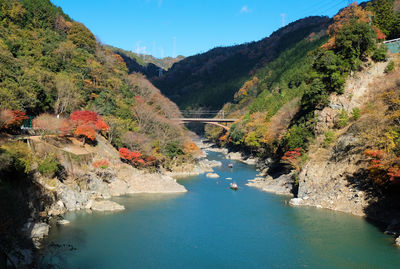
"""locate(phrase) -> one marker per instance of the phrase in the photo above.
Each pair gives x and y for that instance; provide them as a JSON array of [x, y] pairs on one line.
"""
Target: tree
[[11, 119], [315, 96], [384, 16], [87, 124], [355, 41], [82, 37], [293, 158], [351, 13], [68, 97], [50, 124]]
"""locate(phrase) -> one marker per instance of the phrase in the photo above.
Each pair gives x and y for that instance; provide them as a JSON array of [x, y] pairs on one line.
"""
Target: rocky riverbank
[[89, 188]]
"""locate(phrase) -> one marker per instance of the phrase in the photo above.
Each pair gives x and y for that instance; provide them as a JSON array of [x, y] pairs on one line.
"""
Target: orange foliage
[[383, 168], [85, 130], [190, 147], [247, 86], [344, 17], [379, 34], [11, 118], [135, 158], [88, 123]]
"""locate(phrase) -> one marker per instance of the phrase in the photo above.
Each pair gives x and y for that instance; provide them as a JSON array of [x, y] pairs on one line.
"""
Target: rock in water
[[295, 201], [104, 205], [40, 230], [398, 241], [63, 222], [212, 175]]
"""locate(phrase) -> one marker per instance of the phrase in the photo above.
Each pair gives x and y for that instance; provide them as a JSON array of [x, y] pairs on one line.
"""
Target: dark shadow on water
[[383, 210]]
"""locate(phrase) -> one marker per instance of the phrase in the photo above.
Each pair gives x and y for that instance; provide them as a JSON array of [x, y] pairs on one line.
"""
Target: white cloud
[[245, 9]]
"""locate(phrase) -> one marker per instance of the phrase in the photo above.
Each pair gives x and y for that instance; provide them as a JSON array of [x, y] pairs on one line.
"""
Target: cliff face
[[337, 176], [334, 177]]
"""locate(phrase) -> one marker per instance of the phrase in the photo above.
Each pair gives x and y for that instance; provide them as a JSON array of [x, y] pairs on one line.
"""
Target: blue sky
[[187, 27]]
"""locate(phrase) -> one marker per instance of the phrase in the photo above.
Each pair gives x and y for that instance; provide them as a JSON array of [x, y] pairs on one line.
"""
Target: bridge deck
[[204, 120]]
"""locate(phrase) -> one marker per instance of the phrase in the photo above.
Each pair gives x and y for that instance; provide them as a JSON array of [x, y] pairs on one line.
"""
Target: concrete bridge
[[218, 120]]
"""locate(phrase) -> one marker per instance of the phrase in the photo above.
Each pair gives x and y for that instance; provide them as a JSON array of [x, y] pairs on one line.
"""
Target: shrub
[[390, 67], [343, 119], [329, 138], [172, 149], [356, 113], [236, 134], [20, 154], [297, 136], [380, 54], [49, 165]]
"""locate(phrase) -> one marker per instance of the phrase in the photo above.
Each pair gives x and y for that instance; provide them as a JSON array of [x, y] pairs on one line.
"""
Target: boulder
[[212, 175], [39, 230], [63, 222], [234, 156], [104, 205], [72, 199], [281, 185], [397, 241], [296, 201]]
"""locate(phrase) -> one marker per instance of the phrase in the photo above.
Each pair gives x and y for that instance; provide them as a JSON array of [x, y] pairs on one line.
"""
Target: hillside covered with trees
[[144, 63], [277, 105], [210, 79], [54, 65]]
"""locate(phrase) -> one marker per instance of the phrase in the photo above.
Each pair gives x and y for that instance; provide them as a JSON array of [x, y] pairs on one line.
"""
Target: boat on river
[[233, 186]]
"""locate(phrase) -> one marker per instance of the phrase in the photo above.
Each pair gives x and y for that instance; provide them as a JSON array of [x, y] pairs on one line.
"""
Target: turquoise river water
[[212, 226]]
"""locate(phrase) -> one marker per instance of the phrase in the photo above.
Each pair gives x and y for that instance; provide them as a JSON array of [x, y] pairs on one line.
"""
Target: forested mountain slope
[[52, 64], [211, 79], [144, 63]]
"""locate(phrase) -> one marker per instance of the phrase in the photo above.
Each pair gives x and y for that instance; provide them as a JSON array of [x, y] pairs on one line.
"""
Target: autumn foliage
[[292, 158], [352, 12], [11, 118], [50, 124], [136, 158], [87, 124], [383, 168]]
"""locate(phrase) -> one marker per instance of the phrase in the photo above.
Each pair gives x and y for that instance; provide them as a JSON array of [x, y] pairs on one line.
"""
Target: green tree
[[355, 41], [384, 16], [82, 37]]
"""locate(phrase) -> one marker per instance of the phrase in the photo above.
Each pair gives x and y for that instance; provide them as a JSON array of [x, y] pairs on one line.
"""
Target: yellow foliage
[[247, 86]]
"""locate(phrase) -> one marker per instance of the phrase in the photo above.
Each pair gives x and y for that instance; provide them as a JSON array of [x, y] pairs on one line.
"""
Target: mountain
[[144, 63], [211, 79], [52, 64]]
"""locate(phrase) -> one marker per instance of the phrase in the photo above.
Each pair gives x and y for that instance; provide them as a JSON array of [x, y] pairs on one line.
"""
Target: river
[[212, 226]]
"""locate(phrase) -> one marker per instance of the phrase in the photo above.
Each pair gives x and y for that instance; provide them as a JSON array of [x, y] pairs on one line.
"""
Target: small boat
[[233, 186], [230, 165]]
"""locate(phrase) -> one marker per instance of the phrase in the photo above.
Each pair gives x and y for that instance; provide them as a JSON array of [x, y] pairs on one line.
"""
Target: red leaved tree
[[383, 168], [11, 119], [87, 124], [293, 158], [136, 158]]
